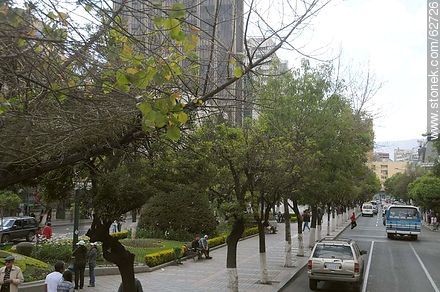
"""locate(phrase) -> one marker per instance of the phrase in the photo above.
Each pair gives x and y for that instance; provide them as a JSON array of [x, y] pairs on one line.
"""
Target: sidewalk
[[211, 275]]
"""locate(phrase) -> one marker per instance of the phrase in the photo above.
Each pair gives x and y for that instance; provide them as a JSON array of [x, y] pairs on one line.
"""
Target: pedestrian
[[10, 276], [79, 263], [137, 283], [66, 284], [92, 255], [353, 220], [195, 246], [204, 245], [55, 277], [306, 219], [47, 231], [114, 227]]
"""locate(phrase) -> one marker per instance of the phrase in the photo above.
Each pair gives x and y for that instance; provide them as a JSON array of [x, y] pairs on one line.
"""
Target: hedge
[[164, 256], [120, 235], [32, 268], [169, 255]]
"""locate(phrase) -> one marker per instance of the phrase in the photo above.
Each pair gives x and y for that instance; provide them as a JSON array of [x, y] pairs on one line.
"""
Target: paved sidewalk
[[210, 275]]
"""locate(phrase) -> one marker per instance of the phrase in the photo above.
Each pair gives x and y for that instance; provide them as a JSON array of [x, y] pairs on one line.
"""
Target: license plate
[[333, 266]]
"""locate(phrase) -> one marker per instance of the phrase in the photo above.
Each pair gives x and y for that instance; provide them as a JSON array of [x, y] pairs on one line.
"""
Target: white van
[[367, 209]]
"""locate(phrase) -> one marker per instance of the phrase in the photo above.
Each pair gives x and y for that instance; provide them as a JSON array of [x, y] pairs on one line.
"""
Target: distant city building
[[381, 156], [386, 168], [408, 155]]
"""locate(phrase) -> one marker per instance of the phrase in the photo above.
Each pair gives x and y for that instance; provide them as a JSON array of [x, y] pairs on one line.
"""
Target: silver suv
[[336, 260]]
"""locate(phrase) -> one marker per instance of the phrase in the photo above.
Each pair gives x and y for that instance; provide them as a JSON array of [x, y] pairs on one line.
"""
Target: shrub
[[120, 235], [164, 256], [216, 241], [25, 248], [250, 231], [181, 211], [32, 269], [180, 235], [53, 251]]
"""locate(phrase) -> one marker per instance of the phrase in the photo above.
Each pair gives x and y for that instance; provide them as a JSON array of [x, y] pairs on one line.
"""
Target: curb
[[301, 267]]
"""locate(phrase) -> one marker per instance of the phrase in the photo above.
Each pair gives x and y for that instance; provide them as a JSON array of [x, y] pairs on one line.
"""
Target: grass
[[141, 247]]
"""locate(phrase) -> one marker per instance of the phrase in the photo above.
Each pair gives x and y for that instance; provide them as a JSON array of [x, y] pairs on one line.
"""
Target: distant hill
[[389, 146]]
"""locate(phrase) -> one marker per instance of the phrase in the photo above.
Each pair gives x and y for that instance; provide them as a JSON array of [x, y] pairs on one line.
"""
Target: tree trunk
[[319, 224], [231, 257], [263, 263], [114, 252], [288, 236], [312, 236], [328, 219], [300, 233], [333, 219]]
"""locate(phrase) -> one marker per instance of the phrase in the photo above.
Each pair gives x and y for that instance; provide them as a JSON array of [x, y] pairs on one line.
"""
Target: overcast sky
[[389, 36]]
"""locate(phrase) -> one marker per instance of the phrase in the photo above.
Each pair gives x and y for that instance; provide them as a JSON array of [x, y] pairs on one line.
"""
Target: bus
[[402, 220]]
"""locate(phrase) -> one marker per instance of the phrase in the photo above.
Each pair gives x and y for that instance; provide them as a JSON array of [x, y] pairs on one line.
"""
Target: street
[[399, 265]]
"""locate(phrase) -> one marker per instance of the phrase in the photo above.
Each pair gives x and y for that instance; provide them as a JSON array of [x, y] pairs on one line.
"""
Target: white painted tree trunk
[[288, 251], [263, 268], [312, 237], [300, 245], [134, 229], [333, 222], [232, 279], [319, 232]]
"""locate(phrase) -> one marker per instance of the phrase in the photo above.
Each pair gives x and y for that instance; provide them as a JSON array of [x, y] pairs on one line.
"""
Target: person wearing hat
[[10, 276], [204, 245], [92, 255], [79, 263]]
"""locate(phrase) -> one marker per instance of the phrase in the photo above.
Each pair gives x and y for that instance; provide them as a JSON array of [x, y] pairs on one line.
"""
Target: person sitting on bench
[[203, 243], [195, 246]]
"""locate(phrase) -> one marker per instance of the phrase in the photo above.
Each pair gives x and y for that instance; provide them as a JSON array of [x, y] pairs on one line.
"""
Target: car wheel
[[6, 238], [30, 236], [389, 235], [414, 237], [313, 284]]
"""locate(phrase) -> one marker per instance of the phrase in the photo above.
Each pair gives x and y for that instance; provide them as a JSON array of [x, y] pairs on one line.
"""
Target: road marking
[[425, 270], [364, 285]]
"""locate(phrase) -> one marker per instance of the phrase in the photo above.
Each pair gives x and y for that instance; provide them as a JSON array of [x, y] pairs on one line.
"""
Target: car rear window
[[333, 252], [368, 207]]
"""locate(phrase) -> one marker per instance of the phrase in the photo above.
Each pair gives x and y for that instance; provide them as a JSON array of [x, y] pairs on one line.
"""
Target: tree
[[425, 191], [9, 203], [183, 208]]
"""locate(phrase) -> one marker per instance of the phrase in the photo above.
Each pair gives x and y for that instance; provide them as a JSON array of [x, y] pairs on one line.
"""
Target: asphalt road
[[397, 265]]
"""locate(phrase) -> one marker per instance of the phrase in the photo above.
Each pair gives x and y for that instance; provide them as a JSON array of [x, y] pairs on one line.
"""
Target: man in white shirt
[[55, 277]]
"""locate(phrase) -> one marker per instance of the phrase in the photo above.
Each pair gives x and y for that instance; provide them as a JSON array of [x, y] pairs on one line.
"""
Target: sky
[[389, 38]]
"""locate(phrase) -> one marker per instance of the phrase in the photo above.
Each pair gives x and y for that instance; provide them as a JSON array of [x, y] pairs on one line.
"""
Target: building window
[[383, 166]]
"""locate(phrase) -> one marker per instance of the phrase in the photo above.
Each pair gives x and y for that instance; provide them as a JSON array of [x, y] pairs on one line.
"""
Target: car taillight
[[309, 264], [356, 267]]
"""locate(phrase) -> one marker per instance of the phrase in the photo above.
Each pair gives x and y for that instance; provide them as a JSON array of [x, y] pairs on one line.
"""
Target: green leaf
[[160, 120], [21, 43], [182, 117], [173, 133], [178, 10], [238, 72], [145, 108], [121, 79]]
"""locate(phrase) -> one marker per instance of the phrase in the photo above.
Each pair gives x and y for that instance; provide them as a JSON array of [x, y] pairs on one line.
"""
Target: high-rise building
[[272, 66], [409, 155], [220, 25]]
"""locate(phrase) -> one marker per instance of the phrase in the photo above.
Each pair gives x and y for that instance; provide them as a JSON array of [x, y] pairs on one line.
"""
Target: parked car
[[367, 209], [336, 260], [14, 228]]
